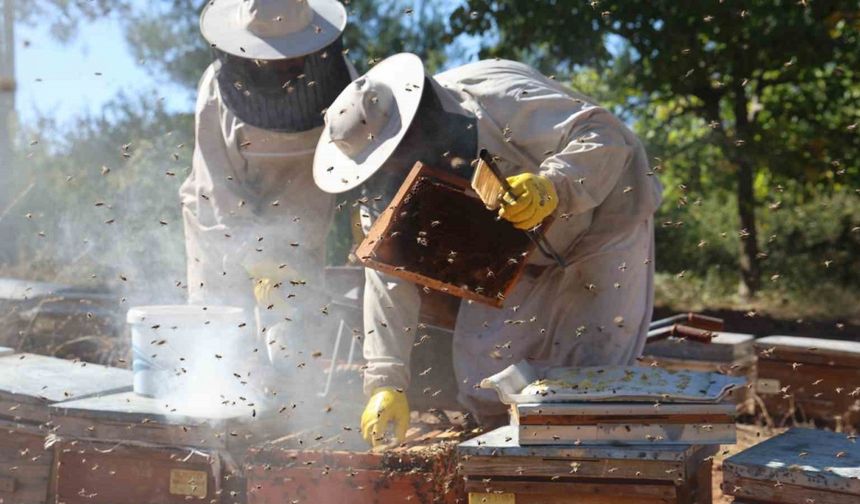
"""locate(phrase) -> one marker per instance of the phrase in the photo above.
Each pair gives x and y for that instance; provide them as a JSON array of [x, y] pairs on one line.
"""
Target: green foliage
[[104, 207], [754, 95]]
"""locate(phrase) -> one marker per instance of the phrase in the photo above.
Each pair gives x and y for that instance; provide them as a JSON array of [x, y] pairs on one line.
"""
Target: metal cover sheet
[[36, 381], [632, 410], [627, 434], [108, 473], [505, 442], [724, 347], [128, 416], [807, 458], [524, 383]]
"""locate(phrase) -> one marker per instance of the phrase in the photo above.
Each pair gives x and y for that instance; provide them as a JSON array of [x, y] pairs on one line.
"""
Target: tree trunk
[[750, 273], [7, 120]]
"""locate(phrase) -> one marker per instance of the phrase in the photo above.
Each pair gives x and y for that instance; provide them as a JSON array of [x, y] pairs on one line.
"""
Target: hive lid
[[128, 406], [809, 350], [724, 347], [505, 442], [809, 458], [37, 379]]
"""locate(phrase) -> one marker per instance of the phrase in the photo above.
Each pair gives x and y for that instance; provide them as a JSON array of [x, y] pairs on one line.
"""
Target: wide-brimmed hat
[[367, 121], [272, 29]]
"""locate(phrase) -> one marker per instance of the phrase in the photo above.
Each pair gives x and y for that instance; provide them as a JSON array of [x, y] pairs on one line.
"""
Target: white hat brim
[[334, 171], [220, 25]]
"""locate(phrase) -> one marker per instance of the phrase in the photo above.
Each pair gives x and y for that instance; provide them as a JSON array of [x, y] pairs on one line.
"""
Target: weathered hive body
[[809, 378], [29, 384], [800, 466], [498, 470], [422, 471]]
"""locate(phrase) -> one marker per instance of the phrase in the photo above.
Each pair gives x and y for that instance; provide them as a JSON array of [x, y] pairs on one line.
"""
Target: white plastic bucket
[[177, 348]]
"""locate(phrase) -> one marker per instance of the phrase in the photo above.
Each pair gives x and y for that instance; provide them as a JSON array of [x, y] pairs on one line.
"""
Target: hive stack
[[801, 466], [809, 378], [29, 384], [601, 435], [498, 469]]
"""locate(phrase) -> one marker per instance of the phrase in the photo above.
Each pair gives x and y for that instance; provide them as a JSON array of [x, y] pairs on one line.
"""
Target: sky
[[62, 81], [59, 80]]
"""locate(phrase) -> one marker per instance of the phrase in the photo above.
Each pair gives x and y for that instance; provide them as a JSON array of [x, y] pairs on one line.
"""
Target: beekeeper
[[255, 223], [565, 157]]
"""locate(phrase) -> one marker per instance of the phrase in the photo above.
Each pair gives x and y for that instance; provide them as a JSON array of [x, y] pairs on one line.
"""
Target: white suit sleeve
[[391, 310], [587, 168]]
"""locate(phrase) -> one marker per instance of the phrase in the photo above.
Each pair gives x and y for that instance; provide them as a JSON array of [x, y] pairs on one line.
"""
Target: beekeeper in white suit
[[565, 157], [255, 223]]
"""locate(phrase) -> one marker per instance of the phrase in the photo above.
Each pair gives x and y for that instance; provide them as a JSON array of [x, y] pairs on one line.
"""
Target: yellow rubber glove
[[267, 278], [386, 405], [536, 199]]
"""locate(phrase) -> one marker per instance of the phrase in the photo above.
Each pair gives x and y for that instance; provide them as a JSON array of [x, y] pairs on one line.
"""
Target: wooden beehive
[[800, 466], [157, 441], [421, 471], [91, 472], [728, 353], [437, 234], [809, 378], [29, 384], [498, 470]]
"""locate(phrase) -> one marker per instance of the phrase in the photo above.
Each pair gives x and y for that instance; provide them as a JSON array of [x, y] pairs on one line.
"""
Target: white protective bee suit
[[596, 310], [251, 202]]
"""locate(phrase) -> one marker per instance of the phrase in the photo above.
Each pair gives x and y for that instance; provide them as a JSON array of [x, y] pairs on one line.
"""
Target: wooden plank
[[820, 460], [504, 442], [724, 347], [628, 434], [578, 489], [777, 492], [480, 467], [565, 499], [809, 350], [637, 410], [623, 419]]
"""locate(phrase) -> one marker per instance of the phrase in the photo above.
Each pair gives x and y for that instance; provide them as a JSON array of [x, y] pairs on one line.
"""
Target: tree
[[772, 83]]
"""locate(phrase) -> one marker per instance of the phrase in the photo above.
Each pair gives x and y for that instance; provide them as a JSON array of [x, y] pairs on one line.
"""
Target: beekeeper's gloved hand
[[536, 199], [386, 405], [267, 278]]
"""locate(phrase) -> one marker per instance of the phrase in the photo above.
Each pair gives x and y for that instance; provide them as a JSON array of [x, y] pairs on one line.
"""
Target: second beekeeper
[[255, 222]]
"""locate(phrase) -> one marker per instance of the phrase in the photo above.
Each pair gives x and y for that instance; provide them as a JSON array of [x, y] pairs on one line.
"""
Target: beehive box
[[729, 353], [421, 471], [810, 378], [498, 470], [163, 446], [29, 384], [800, 466], [437, 234]]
